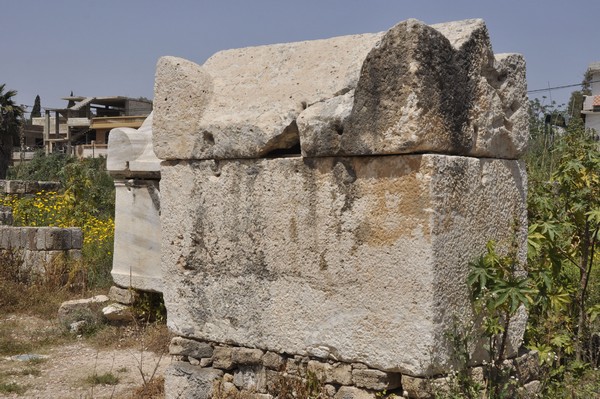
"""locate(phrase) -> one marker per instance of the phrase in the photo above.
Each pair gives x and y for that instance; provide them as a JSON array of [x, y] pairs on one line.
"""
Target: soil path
[[67, 367]]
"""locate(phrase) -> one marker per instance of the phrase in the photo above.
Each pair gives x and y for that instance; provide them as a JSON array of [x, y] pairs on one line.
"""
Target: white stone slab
[[136, 258]]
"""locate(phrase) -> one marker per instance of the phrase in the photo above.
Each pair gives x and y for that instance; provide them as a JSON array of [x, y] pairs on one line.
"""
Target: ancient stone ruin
[[321, 202]]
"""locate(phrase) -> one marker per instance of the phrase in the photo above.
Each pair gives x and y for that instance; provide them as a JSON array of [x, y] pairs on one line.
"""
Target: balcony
[[117, 121], [78, 122]]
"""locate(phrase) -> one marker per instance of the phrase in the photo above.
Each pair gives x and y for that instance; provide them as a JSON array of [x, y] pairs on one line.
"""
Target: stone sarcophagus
[[324, 199]]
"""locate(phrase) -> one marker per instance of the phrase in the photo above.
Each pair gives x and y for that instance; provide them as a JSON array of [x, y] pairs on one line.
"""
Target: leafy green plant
[[41, 167], [564, 211], [461, 383], [150, 307], [499, 289], [11, 121], [92, 321]]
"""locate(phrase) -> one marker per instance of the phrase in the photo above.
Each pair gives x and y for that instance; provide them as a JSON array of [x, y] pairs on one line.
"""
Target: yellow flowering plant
[[63, 210], [87, 201]]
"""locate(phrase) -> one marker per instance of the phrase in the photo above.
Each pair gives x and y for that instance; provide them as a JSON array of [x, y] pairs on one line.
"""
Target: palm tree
[[11, 117]]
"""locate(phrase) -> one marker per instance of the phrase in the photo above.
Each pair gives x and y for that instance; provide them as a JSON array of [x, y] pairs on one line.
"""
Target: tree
[[11, 118], [36, 111], [576, 100]]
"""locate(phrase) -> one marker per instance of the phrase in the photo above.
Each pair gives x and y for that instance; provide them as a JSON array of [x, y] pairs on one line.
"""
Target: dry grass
[[102, 379], [39, 296], [154, 389], [153, 337], [12, 388], [28, 334]]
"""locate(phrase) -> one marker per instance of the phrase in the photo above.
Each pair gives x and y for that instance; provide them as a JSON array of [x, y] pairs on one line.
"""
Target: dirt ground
[[69, 362]]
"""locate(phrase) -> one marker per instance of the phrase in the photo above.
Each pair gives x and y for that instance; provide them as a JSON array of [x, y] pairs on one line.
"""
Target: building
[[591, 103], [82, 127]]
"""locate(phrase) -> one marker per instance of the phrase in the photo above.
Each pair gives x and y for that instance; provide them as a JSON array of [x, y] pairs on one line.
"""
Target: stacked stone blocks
[[256, 373], [39, 247], [26, 186]]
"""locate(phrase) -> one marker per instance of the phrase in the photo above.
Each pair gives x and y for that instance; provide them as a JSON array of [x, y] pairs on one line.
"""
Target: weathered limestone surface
[[244, 102], [136, 258], [414, 88], [354, 393], [21, 187], [130, 152], [125, 296], [186, 347], [359, 259], [448, 96], [72, 310], [184, 381]]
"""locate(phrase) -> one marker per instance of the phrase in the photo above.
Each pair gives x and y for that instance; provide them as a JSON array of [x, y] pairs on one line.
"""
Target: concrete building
[[591, 104], [82, 127]]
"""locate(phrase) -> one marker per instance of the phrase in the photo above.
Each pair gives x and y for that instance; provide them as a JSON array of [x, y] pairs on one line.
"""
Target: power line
[[560, 87]]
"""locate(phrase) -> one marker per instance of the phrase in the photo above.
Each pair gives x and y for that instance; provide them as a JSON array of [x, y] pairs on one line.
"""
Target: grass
[[102, 379], [40, 298], [153, 337], [586, 386], [28, 370], [12, 387]]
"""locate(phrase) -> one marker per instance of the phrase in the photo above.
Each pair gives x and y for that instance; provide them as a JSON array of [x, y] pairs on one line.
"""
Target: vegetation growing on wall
[[86, 201]]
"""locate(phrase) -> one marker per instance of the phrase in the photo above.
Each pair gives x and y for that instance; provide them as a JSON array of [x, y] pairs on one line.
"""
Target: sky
[[110, 47]]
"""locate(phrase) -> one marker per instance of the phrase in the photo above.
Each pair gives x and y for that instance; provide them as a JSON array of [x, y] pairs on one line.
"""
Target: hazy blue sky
[[110, 47]]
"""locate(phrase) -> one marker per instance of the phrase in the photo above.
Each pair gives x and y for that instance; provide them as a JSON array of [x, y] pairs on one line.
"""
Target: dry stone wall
[[36, 248], [23, 187], [322, 200]]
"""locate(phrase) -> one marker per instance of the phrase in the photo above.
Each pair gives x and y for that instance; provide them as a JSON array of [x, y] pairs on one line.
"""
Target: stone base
[[206, 370]]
